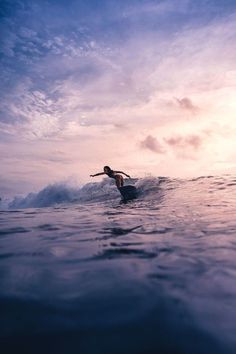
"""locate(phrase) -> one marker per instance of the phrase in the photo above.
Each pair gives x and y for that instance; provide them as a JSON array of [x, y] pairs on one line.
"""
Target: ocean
[[82, 272]]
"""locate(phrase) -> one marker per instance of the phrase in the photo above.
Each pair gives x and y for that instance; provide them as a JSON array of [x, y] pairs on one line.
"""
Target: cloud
[[82, 74], [185, 142], [186, 104], [161, 8], [152, 144], [27, 33], [88, 79]]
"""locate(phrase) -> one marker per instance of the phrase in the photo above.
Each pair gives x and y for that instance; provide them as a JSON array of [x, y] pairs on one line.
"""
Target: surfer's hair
[[107, 168]]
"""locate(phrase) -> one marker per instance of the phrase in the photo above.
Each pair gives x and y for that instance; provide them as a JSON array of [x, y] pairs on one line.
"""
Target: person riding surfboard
[[112, 174]]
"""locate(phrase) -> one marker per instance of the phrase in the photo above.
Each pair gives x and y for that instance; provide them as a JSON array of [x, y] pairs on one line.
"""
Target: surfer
[[113, 174]]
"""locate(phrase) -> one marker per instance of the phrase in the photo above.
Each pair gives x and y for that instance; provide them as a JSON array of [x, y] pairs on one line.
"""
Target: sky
[[147, 87]]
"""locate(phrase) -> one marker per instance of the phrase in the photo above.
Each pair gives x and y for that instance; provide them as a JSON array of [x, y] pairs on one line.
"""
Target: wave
[[148, 188], [59, 193]]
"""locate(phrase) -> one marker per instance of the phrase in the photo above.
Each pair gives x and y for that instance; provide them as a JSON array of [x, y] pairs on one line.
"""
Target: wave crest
[[59, 193]]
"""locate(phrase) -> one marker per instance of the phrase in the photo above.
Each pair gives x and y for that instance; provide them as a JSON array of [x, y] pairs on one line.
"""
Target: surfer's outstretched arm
[[97, 174], [122, 173]]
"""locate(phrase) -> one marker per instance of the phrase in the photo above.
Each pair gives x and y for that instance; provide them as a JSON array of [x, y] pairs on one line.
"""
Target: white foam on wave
[[59, 193]]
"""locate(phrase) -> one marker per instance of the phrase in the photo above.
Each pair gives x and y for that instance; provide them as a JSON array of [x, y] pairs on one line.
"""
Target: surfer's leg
[[119, 181]]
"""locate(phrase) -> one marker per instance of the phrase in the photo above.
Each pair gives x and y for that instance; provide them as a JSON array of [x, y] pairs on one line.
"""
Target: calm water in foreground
[[81, 272]]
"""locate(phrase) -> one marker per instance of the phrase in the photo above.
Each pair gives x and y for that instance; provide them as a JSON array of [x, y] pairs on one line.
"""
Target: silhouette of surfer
[[113, 174]]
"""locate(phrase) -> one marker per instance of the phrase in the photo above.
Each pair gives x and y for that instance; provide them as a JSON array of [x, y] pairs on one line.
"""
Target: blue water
[[81, 272]]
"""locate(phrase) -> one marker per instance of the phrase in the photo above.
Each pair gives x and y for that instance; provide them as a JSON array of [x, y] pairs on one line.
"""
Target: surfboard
[[128, 192]]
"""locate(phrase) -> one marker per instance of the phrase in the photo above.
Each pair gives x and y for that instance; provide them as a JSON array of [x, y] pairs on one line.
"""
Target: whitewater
[[83, 272]]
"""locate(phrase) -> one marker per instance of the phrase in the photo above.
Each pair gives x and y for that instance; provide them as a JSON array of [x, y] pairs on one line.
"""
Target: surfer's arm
[[98, 174], [122, 173]]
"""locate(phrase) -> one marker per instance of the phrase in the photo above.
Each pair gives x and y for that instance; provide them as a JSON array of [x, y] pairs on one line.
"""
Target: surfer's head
[[107, 169]]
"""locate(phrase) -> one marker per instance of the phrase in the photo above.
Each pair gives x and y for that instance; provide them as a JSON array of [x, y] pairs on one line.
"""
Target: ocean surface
[[81, 272]]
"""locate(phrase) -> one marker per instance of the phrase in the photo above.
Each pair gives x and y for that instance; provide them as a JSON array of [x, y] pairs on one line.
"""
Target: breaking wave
[[148, 188], [59, 193]]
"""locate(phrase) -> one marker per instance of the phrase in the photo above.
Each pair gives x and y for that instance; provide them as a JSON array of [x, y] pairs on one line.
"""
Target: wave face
[[148, 188], [83, 272], [59, 193]]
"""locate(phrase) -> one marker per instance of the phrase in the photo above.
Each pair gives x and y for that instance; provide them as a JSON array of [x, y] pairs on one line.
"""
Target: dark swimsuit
[[111, 174]]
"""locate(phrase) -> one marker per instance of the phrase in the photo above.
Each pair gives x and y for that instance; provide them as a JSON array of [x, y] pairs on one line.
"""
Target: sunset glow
[[144, 86]]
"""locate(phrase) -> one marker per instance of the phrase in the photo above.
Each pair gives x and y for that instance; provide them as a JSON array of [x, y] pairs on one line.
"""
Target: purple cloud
[[186, 104], [152, 144], [190, 141]]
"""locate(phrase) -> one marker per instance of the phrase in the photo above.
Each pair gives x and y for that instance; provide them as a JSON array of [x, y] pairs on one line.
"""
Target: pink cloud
[[152, 144], [192, 141], [186, 104]]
